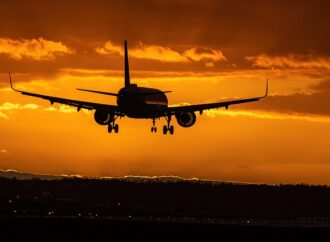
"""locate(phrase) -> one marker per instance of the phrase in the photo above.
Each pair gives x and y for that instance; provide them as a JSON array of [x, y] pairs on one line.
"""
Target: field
[[135, 209]]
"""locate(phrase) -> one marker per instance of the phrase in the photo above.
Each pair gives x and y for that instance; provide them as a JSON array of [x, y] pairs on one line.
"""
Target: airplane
[[139, 103]]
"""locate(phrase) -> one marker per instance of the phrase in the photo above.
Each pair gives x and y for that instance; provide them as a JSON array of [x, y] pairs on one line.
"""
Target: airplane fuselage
[[141, 102]]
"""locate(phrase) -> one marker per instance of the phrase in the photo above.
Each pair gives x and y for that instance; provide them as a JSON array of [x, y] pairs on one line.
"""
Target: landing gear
[[171, 129], [153, 128], [113, 126], [168, 128], [116, 128], [110, 128], [164, 129]]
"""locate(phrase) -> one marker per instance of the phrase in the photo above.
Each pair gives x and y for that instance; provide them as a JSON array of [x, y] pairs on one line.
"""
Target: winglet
[[266, 94], [11, 84]]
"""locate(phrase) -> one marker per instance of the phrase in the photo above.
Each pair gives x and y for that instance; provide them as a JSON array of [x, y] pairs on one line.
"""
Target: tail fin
[[127, 77]]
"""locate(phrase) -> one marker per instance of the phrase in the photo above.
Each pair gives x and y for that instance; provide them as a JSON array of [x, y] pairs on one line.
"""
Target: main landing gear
[[153, 128], [168, 128], [113, 126]]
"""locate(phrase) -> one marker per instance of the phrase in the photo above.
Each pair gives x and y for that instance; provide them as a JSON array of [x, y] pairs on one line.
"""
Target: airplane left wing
[[206, 106], [70, 102]]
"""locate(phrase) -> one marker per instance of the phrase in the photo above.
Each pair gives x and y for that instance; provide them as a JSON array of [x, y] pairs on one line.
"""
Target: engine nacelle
[[186, 119], [103, 117]]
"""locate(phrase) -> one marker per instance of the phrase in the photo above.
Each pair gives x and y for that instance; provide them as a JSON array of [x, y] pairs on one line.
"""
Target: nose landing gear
[[153, 128]]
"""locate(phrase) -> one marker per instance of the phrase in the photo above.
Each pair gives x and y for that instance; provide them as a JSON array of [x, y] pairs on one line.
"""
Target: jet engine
[[103, 117], [186, 119]]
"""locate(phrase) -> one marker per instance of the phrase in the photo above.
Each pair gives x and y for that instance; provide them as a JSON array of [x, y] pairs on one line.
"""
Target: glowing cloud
[[15, 106], [3, 115], [165, 54], [36, 49], [65, 109], [290, 61], [267, 115], [149, 52], [3, 151], [7, 107], [200, 54], [109, 49], [158, 53]]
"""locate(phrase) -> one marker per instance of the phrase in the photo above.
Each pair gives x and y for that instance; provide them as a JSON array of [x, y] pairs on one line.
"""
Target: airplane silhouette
[[139, 103]]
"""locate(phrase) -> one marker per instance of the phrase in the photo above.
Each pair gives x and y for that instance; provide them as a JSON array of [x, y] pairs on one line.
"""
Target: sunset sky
[[204, 51]]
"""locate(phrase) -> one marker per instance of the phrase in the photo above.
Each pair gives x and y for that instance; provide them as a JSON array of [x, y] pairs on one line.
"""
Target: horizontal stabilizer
[[151, 93]]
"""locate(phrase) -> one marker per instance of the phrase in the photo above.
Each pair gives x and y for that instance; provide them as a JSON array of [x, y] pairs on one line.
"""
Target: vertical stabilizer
[[127, 77]]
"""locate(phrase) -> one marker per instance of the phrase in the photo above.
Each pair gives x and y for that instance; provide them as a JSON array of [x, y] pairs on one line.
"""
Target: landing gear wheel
[[168, 128], [110, 128], [164, 129], [171, 129], [116, 128]]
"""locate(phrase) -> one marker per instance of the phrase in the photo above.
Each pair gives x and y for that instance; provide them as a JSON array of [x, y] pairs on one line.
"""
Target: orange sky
[[201, 50]]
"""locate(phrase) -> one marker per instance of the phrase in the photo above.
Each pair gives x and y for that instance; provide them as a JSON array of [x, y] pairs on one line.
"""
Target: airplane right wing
[[206, 106]]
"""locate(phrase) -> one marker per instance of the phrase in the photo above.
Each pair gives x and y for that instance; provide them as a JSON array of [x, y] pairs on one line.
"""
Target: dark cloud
[[237, 28], [240, 27], [324, 86], [316, 103]]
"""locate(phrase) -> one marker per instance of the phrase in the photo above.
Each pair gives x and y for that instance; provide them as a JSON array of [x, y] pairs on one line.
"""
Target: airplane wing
[[70, 102], [201, 107]]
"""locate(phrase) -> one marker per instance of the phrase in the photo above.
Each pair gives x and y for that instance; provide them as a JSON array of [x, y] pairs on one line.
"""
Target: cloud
[[3, 115], [314, 103], [3, 151], [149, 52], [204, 54], [8, 107], [290, 61], [267, 115], [65, 109], [165, 54], [109, 49], [298, 95], [159, 53], [36, 49], [297, 103], [15, 106]]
